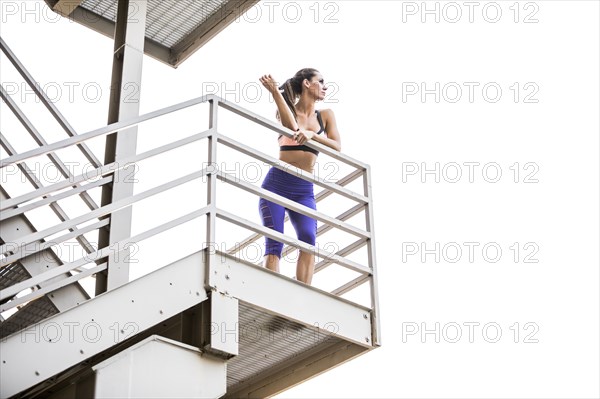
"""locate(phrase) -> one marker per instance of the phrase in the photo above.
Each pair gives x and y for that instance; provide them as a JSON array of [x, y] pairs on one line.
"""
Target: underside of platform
[[279, 341]]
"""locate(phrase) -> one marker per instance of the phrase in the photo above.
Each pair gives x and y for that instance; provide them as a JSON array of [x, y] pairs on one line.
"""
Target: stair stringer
[[66, 339], [11, 231]]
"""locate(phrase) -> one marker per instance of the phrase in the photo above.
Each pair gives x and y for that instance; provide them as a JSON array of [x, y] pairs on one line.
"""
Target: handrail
[[104, 170], [122, 125], [12, 212], [236, 145], [56, 208], [46, 101], [103, 131], [320, 252], [103, 211], [289, 133], [294, 206], [16, 288]]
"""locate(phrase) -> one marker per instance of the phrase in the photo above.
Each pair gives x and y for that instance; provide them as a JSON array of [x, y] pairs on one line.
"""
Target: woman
[[296, 111]]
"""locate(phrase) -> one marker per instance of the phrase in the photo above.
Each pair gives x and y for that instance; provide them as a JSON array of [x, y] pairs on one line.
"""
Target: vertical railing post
[[368, 192], [211, 191], [224, 309]]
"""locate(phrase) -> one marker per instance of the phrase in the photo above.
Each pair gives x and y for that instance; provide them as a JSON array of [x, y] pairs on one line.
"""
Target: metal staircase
[[210, 323]]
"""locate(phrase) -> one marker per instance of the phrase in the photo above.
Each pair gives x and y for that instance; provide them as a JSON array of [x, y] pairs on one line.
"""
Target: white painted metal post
[[211, 190], [223, 308], [213, 168], [376, 336], [124, 104]]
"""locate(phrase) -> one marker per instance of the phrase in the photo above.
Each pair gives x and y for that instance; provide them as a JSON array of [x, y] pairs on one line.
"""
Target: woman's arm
[[285, 113], [333, 139]]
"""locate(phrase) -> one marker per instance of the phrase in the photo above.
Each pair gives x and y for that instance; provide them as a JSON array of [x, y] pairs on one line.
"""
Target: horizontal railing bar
[[356, 245], [349, 178], [26, 208], [322, 253], [102, 131], [324, 228], [37, 137], [47, 102], [52, 287], [36, 183], [318, 197], [292, 169], [102, 253], [349, 286], [295, 206], [289, 133], [106, 169], [109, 208], [41, 246]]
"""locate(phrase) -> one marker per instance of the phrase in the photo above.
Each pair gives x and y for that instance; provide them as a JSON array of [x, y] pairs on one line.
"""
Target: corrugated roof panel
[[175, 29], [168, 21], [104, 8]]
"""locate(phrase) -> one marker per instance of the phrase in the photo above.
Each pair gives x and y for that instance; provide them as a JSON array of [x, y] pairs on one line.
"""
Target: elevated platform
[[286, 333], [264, 331]]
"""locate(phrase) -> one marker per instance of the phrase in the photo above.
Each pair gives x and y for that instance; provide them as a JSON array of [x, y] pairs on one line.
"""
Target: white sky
[[375, 53]]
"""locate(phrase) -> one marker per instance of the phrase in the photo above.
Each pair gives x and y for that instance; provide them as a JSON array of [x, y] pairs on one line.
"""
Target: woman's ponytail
[[289, 95]]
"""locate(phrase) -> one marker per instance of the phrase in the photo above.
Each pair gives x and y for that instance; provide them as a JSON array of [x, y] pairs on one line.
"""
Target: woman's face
[[317, 87]]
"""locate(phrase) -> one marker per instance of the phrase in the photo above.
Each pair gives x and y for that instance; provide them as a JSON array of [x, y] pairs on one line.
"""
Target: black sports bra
[[287, 144]]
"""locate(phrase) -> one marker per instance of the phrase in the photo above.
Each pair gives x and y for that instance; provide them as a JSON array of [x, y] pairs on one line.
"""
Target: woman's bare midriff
[[301, 159]]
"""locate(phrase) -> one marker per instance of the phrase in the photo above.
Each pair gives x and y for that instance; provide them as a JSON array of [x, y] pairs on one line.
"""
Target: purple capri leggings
[[272, 214]]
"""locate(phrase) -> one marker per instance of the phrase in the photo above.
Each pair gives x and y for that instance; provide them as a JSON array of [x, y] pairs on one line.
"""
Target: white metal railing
[[39, 139], [101, 175]]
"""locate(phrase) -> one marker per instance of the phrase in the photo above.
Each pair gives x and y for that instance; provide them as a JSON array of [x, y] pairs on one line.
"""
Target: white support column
[[224, 311], [124, 104]]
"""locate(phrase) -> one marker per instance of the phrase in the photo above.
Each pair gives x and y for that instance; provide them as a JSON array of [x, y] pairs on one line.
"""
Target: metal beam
[[126, 76], [306, 304]]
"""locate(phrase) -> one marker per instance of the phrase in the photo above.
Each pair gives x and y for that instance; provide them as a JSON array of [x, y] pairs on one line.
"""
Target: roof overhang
[[175, 29]]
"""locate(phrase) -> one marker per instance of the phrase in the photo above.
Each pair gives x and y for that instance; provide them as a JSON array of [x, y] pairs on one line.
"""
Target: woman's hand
[[303, 136], [270, 84]]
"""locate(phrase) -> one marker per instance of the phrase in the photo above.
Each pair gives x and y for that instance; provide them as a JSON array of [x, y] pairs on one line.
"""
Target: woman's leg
[[305, 268], [272, 216], [306, 230]]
